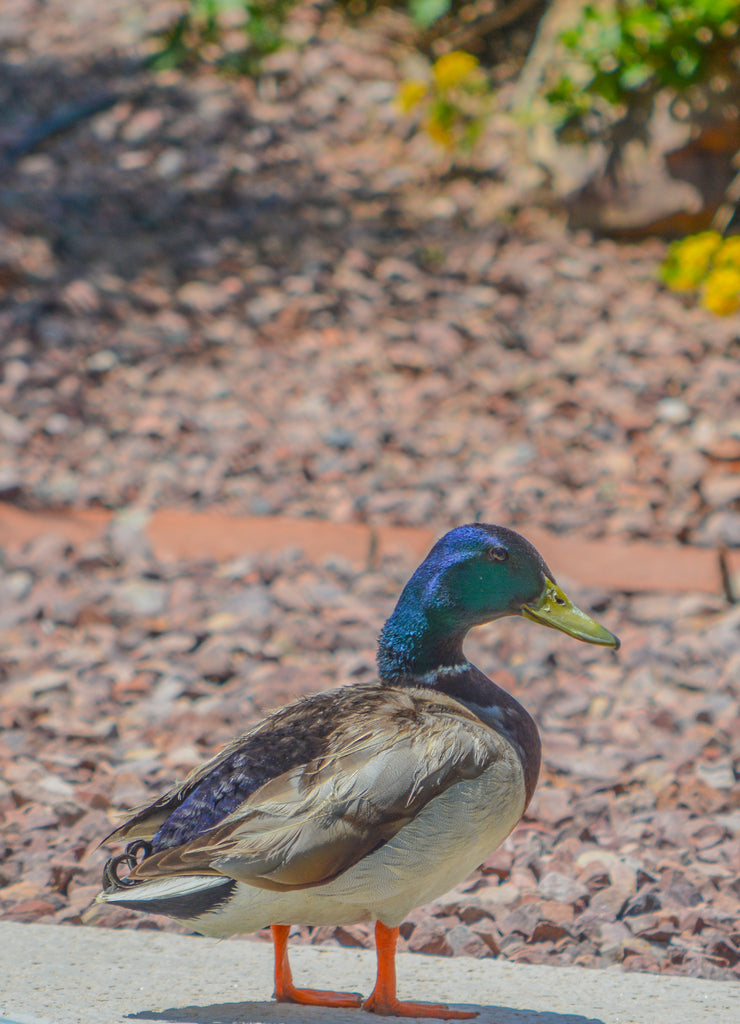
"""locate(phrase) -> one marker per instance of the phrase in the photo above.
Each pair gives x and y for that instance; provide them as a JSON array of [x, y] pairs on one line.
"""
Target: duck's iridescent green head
[[475, 574]]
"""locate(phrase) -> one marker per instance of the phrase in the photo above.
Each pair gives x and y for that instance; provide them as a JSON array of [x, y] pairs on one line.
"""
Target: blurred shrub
[[452, 101], [624, 52], [708, 264], [235, 35]]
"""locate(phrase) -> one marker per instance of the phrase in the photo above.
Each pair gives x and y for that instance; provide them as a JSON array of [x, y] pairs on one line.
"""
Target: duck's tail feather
[[184, 897]]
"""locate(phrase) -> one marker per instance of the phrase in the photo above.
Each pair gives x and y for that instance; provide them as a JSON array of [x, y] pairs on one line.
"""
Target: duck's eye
[[497, 553]]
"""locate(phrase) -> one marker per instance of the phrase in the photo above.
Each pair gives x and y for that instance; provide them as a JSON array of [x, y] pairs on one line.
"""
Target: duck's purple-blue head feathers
[[474, 574]]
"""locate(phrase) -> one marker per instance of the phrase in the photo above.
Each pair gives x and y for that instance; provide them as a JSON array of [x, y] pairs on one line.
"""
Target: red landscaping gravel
[[266, 301]]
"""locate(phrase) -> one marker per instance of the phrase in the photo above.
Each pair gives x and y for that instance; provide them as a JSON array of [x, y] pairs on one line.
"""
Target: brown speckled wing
[[293, 736], [314, 821]]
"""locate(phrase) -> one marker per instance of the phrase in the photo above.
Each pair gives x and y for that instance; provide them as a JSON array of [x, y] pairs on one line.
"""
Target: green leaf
[[635, 76], [426, 12]]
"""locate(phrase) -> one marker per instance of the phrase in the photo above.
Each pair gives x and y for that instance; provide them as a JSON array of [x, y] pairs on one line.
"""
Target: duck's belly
[[450, 837]]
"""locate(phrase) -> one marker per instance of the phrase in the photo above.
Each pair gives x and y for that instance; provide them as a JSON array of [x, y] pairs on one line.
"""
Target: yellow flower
[[678, 280], [728, 255], [411, 93], [439, 132], [721, 291], [688, 261], [453, 69]]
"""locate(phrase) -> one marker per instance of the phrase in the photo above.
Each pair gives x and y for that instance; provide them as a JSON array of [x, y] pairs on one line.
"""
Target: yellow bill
[[553, 608]]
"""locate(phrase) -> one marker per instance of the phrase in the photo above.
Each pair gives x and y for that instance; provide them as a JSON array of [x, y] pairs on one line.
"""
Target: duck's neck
[[416, 644], [414, 650]]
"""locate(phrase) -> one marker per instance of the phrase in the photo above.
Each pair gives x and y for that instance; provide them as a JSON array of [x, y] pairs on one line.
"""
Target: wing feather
[[311, 823]]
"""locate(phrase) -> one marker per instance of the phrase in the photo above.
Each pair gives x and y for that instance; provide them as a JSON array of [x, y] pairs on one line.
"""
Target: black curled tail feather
[[130, 857]]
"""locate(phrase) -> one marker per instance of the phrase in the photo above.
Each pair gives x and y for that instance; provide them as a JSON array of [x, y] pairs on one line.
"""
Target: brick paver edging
[[179, 534]]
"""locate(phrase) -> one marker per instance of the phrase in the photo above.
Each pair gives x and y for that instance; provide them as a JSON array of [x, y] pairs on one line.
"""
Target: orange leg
[[383, 999], [285, 990]]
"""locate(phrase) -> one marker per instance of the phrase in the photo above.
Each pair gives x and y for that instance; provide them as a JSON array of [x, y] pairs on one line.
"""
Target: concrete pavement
[[67, 975]]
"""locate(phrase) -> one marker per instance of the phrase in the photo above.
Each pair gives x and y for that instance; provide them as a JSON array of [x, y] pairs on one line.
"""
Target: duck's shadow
[[280, 1013]]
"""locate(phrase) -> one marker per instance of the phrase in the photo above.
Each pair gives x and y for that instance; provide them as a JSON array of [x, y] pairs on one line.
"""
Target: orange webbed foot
[[383, 999], [286, 991], [317, 997], [396, 1008]]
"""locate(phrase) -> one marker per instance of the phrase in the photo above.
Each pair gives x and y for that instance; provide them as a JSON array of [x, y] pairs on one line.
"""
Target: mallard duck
[[361, 803]]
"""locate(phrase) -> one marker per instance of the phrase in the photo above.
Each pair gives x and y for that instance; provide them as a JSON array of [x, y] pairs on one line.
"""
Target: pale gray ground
[[99, 976]]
